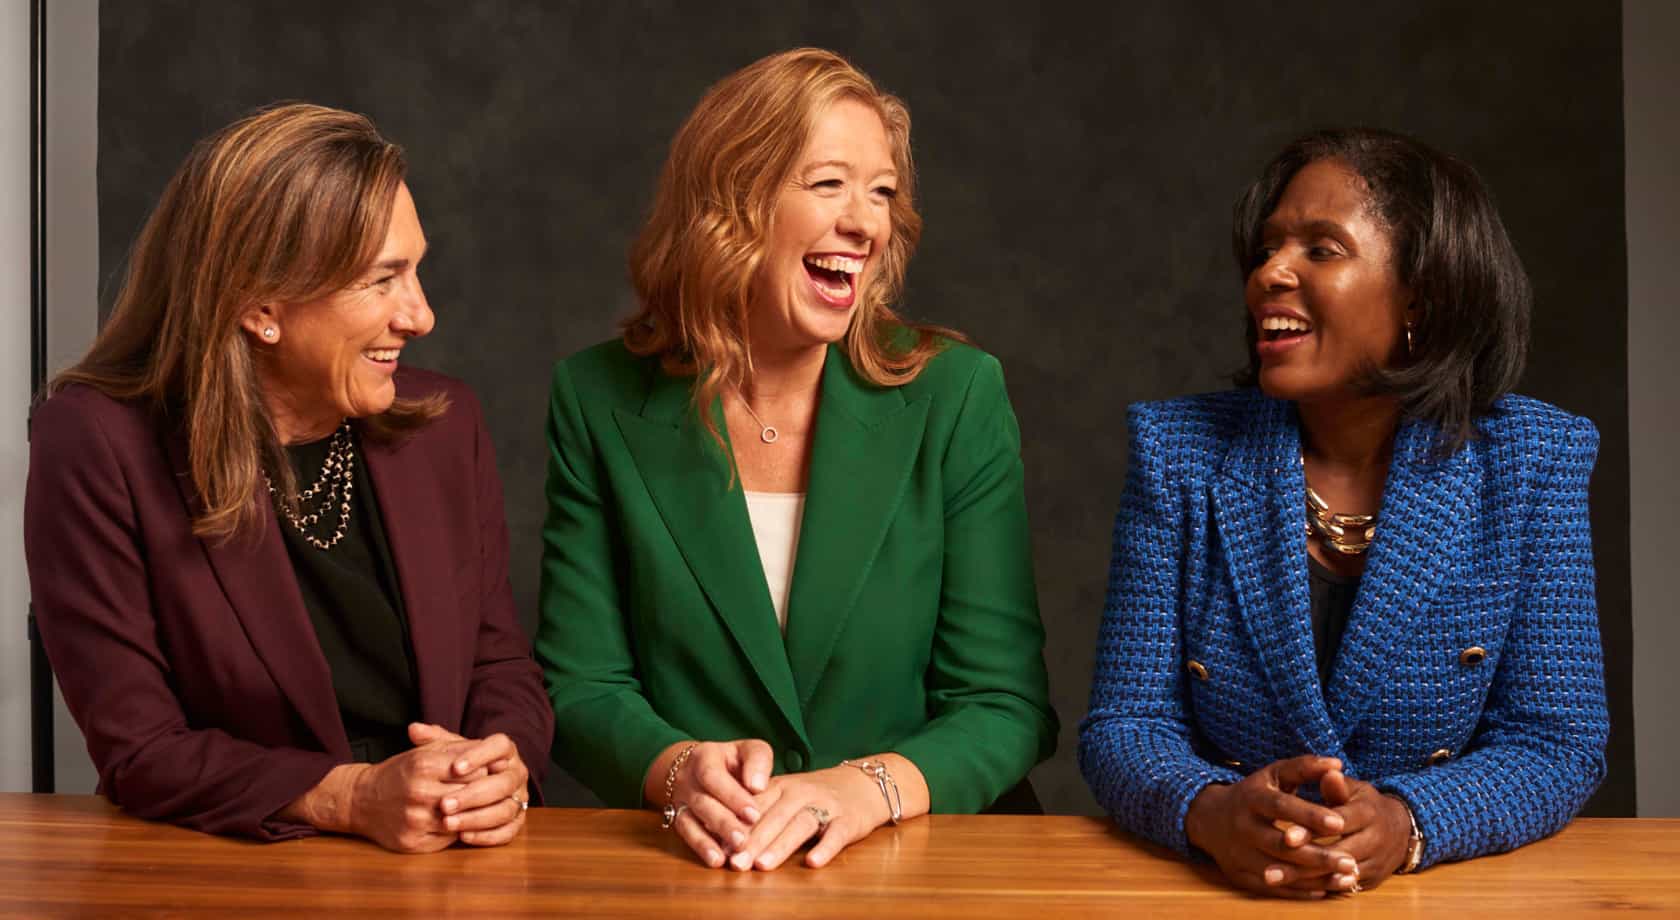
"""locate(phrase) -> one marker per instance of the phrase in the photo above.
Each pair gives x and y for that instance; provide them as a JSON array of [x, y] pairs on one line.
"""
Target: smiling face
[[828, 233], [1324, 295], [334, 358]]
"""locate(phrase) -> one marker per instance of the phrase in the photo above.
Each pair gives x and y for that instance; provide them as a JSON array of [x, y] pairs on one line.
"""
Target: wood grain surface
[[79, 856]]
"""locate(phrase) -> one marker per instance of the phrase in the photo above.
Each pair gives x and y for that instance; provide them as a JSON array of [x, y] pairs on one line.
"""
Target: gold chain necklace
[[1348, 534], [335, 485]]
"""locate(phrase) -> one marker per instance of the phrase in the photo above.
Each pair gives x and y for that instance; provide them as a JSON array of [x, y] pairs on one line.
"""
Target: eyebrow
[[843, 164], [395, 265], [1310, 228]]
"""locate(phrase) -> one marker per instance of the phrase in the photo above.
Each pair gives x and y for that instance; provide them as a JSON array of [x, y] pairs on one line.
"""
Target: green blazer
[[912, 619]]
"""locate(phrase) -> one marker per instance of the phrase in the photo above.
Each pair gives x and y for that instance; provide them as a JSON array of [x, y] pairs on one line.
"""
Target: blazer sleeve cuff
[[237, 809], [1426, 800], [1182, 789], [300, 772], [613, 759], [964, 775]]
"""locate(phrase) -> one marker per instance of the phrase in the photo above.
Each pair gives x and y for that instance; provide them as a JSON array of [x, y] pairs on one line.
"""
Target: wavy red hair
[[694, 263]]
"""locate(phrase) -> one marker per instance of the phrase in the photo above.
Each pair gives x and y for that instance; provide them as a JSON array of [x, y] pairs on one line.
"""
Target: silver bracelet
[[877, 771]]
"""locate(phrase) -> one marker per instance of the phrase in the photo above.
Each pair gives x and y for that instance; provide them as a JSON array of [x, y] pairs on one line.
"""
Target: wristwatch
[[1414, 847]]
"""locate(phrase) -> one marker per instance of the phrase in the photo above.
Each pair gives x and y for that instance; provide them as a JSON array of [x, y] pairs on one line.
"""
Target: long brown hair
[[288, 204], [694, 263]]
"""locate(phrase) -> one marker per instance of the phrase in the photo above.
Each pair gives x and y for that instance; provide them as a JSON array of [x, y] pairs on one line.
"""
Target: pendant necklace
[[767, 434]]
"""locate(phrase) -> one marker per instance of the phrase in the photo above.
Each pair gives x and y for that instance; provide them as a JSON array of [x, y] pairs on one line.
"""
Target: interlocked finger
[[1257, 883], [498, 813], [693, 833], [721, 823], [496, 836], [810, 821]]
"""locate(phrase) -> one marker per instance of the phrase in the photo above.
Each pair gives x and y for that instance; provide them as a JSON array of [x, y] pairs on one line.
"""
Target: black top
[[1332, 602], [356, 608]]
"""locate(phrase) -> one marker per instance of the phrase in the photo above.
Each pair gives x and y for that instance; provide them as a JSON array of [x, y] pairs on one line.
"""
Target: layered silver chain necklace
[[332, 488]]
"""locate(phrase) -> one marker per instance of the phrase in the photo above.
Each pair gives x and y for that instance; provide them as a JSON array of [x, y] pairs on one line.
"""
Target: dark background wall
[[1078, 167]]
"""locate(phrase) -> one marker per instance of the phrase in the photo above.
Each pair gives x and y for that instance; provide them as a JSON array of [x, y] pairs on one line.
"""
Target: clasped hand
[[1269, 840], [445, 788], [735, 813]]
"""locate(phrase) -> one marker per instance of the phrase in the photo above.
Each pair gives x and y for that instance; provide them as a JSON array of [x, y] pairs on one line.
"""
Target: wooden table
[[77, 855]]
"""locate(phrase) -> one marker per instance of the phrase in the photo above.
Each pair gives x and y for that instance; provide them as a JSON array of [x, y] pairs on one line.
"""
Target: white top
[[775, 523]]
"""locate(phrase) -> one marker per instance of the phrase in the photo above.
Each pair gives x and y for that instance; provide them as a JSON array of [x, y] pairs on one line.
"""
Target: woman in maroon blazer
[[270, 567]]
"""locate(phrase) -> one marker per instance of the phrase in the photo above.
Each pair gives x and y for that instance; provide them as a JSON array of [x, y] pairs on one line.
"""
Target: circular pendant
[[768, 435]]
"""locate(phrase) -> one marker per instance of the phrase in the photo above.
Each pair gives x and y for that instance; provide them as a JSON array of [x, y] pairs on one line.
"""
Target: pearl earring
[[1408, 338], [269, 332]]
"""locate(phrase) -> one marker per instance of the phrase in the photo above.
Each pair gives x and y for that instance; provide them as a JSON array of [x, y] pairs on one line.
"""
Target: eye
[[1322, 251], [829, 185], [886, 191]]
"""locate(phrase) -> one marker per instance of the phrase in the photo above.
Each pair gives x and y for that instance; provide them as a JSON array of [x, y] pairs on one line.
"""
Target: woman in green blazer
[[787, 585]]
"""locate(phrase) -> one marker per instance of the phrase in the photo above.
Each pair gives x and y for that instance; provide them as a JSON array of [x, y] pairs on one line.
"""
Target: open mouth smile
[[1280, 332], [1279, 328], [834, 277]]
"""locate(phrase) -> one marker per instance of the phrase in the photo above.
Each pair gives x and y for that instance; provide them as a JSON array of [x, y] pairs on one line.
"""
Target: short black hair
[[1472, 296]]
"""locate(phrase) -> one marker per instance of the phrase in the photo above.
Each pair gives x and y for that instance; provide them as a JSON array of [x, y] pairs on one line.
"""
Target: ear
[[262, 321]]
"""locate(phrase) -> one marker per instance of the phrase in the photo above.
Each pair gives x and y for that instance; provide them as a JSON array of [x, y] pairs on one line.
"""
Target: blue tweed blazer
[[1487, 548]]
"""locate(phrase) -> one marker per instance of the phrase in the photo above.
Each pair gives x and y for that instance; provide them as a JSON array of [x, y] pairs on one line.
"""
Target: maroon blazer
[[192, 667]]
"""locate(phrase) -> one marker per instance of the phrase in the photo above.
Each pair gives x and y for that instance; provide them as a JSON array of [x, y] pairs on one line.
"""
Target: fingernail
[[452, 823], [757, 782], [1315, 895], [752, 814], [737, 838], [1333, 823], [461, 766], [714, 858], [742, 860], [1296, 836], [1273, 876], [1347, 866], [449, 805]]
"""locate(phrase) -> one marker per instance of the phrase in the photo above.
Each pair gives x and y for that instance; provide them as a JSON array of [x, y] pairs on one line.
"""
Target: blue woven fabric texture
[[1489, 548]]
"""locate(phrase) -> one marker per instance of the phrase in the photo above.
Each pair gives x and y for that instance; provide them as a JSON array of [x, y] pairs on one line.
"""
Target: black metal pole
[[40, 670]]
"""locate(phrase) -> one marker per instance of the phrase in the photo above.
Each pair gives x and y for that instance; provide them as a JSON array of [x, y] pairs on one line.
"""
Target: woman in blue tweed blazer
[[1319, 687]]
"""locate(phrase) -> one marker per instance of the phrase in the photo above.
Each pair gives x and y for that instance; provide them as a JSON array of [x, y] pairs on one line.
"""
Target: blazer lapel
[[867, 439], [411, 506], [1259, 510], [1426, 502], [705, 512], [256, 576]]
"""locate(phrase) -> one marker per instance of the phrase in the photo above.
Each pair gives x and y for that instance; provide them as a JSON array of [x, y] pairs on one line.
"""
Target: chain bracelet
[[671, 809], [877, 771]]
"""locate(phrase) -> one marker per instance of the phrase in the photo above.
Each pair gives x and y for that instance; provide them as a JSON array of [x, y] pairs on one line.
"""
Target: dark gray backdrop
[[1078, 167]]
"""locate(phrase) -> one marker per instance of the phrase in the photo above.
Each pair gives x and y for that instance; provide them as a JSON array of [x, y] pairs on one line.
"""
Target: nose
[[413, 317], [1276, 273], [860, 219]]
